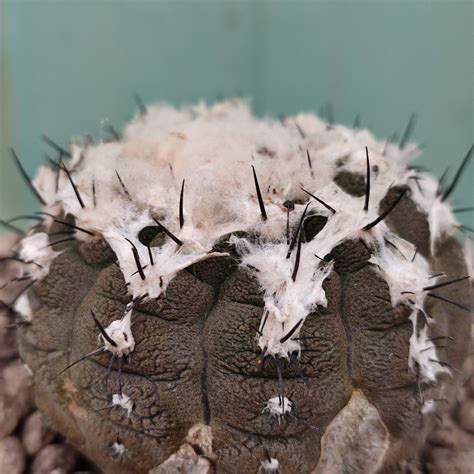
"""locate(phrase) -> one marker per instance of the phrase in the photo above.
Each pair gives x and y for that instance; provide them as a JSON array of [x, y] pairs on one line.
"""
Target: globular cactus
[[214, 292]]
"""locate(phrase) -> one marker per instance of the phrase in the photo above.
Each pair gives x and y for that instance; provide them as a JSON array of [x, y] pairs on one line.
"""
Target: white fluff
[[403, 269], [278, 407], [423, 352], [34, 248], [269, 466], [429, 406], [123, 401], [468, 256], [118, 449], [120, 331], [441, 220], [28, 370], [23, 308], [213, 148]]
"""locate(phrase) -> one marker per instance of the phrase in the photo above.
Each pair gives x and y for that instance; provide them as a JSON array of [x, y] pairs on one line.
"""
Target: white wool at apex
[[212, 149]]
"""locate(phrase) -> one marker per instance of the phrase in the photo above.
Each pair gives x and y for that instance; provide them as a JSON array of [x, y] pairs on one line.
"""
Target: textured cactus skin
[[211, 292], [196, 360]]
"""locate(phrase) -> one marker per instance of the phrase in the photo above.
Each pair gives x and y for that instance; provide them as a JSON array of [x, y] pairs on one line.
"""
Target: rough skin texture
[[196, 361], [199, 301]]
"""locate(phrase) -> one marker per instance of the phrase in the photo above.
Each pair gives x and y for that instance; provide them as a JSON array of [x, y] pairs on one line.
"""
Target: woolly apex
[[188, 174]]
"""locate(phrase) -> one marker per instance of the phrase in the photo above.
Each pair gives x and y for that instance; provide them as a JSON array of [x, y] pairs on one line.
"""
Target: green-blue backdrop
[[66, 66]]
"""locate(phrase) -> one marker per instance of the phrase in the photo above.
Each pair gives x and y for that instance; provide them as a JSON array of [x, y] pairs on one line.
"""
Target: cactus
[[214, 292]]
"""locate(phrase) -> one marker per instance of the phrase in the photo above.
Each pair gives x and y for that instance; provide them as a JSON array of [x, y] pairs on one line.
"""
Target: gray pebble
[[59, 458], [35, 434], [15, 397], [12, 456]]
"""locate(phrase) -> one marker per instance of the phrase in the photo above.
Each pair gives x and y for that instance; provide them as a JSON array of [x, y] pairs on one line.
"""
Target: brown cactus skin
[[196, 360]]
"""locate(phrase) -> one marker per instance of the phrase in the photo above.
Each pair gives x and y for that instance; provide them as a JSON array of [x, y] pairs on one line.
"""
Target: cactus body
[[250, 295]]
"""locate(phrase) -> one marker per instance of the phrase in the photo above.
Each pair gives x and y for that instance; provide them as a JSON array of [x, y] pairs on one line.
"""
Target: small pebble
[[35, 433], [15, 397], [12, 456], [201, 436], [7, 337], [57, 458], [184, 460]]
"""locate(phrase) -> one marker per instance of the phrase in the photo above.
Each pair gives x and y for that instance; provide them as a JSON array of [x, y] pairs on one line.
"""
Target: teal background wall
[[66, 66]]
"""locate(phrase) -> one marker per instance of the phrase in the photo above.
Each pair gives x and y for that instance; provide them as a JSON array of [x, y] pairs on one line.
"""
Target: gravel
[[27, 445]]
